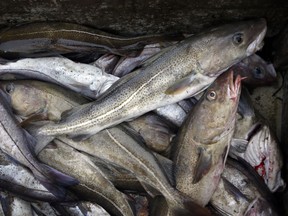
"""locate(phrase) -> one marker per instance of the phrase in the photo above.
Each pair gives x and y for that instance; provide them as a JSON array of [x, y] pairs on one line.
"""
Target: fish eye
[[211, 95], [9, 88], [258, 73], [238, 38]]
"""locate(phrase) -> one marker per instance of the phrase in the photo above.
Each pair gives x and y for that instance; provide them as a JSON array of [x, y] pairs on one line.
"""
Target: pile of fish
[[97, 124]]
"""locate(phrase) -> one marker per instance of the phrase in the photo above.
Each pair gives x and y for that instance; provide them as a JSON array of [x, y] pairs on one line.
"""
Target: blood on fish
[[261, 168]]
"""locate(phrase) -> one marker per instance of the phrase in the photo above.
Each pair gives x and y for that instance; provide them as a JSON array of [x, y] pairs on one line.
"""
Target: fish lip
[[272, 71], [257, 43], [235, 86]]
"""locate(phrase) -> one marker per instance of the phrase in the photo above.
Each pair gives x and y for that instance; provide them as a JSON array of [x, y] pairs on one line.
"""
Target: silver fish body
[[203, 141], [14, 206], [175, 113], [180, 71], [86, 79], [18, 180]]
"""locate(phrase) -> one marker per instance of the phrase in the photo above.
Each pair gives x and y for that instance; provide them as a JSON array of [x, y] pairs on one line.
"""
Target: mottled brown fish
[[204, 139], [178, 72], [54, 38]]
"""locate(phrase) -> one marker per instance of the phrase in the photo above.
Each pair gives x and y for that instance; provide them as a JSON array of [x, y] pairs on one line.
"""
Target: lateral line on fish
[[93, 118], [111, 201], [131, 154], [20, 149], [83, 32]]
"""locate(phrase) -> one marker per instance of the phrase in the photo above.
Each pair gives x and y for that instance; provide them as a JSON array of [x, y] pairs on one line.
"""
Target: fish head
[[25, 100], [230, 44], [256, 71], [217, 109]]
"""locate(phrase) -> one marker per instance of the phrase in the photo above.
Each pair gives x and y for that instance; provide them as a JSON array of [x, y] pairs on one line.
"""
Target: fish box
[[130, 18]]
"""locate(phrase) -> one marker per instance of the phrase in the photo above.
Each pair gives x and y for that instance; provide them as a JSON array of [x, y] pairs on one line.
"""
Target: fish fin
[[57, 176], [181, 85], [203, 165], [79, 137], [67, 113], [149, 189], [41, 140], [232, 189], [34, 118], [134, 134], [167, 166], [238, 145]]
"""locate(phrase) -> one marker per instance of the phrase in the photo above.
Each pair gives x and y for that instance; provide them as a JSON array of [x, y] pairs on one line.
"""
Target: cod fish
[[257, 144], [18, 144], [54, 38], [93, 183], [86, 79], [178, 72], [18, 180], [242, 192], [30, 98], [256, 70], [203, 141], [119, 147]]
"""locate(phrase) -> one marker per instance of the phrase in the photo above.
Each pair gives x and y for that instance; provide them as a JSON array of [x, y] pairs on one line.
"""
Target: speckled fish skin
[[18, 180], [116, 146], [52, 38], [256, 70], [86, 79], [242, 192], [31, 97], [91, 178], [204, 139], [182, 70]]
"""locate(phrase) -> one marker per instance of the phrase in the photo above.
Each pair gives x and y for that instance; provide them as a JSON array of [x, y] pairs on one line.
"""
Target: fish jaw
[[257, 44]]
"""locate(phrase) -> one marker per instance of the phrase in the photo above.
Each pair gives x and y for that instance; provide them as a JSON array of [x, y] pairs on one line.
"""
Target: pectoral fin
[[203, 166], [180, 86]]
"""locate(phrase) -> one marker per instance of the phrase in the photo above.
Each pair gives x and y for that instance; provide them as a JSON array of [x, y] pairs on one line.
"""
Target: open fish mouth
[[235, 86]]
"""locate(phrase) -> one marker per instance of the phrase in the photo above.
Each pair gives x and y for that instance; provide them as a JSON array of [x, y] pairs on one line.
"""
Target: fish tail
[[55, 181]]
